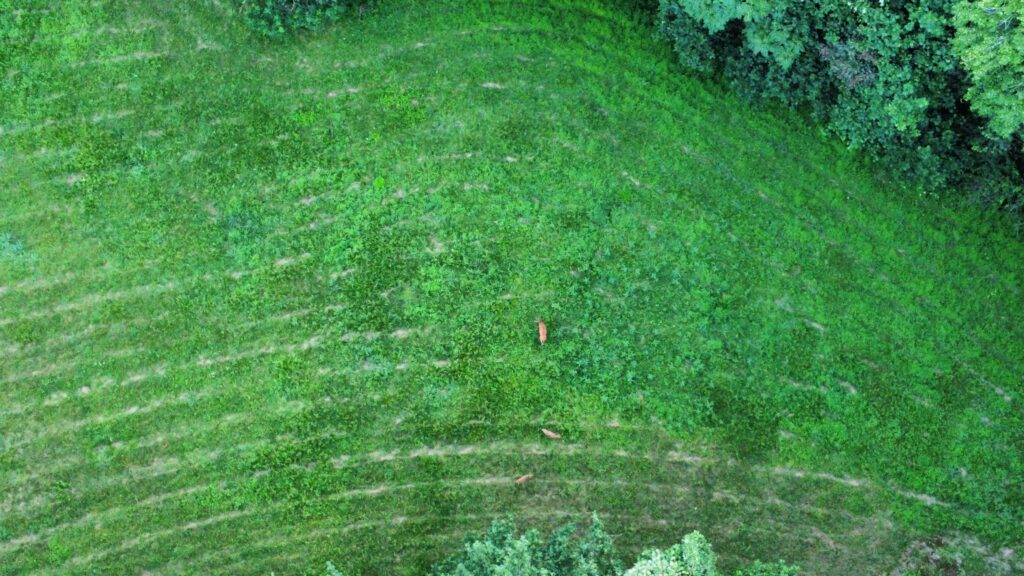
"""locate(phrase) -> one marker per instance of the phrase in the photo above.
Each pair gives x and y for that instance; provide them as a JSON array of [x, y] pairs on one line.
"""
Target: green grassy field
[[267, 304]]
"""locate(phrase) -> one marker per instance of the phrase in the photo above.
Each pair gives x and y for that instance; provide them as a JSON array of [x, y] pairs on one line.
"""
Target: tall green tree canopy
[[990, 42], [887, 76], [588, 552]]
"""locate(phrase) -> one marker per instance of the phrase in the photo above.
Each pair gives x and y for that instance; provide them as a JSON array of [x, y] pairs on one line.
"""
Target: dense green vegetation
[[888, 77], [566, 552], [990, 42], [269, 303], [275, 17]]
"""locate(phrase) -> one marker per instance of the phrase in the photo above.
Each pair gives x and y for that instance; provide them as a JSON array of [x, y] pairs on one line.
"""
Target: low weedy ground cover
[[265, 304]]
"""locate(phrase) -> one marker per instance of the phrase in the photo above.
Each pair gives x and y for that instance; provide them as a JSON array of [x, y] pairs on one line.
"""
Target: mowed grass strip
[[467, 480], [290, 289]]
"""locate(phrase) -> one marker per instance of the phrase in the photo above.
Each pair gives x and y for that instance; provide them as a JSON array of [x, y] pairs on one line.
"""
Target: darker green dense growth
[[501, 551], [274, 17], [887, 77], [590, 552]]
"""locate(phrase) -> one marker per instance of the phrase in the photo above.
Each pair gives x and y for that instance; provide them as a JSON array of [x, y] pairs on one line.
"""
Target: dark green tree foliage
[[500, 551], [571, 552], [990, 42], [882, 74], [274, 17]]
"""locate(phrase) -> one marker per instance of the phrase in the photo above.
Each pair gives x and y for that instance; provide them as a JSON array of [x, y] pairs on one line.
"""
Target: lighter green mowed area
[[267, 304]]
